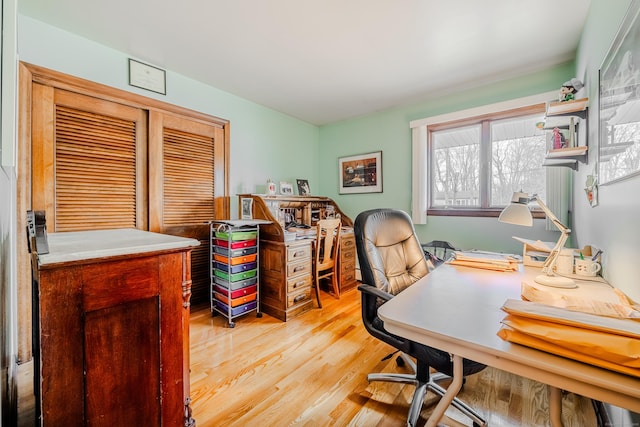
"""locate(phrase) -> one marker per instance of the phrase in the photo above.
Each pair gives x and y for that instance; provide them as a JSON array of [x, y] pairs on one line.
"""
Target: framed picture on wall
[[361, 173], [619, 107]]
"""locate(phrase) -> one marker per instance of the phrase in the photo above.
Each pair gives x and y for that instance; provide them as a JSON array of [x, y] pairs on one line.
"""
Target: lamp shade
[[517, 212]]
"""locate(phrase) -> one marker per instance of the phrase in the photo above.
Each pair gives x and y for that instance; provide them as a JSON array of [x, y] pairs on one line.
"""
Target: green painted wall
[[389, 132], [264, 143]]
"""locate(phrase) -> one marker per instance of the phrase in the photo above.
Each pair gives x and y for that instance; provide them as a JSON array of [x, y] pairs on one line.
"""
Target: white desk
[[457, 309]]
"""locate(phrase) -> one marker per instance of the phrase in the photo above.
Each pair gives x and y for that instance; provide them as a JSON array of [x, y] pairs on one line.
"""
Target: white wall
[[613, 225]]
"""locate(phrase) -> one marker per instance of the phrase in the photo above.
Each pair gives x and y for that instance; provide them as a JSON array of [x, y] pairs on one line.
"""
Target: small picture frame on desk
[[303, 187], [246, 205], [286, 189]]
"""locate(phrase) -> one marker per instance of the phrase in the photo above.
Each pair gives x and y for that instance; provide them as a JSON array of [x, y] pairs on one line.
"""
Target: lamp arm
[[550, 262], [563, 228]]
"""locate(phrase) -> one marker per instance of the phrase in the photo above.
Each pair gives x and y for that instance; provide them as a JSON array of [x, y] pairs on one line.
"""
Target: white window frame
[[420, 160]]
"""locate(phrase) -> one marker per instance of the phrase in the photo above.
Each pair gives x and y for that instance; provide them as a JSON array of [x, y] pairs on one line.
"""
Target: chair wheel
[[400, 361], [258, 315], [232, 324]]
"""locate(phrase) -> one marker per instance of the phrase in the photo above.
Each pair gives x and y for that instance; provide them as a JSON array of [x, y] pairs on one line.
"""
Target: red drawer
[[236, 245], [236, 301], [237, 293]]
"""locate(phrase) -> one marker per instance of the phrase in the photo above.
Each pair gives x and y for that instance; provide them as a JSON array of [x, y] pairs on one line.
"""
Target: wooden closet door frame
[[28, 75]]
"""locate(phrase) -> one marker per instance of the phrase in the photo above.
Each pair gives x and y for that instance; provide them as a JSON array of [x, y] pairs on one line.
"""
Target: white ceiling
[[327, 60]]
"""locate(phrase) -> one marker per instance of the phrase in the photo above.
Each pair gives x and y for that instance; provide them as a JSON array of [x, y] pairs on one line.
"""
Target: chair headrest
[[389, 252]]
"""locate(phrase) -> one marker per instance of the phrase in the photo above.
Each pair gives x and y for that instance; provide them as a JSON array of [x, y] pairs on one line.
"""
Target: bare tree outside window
[[480, 165]]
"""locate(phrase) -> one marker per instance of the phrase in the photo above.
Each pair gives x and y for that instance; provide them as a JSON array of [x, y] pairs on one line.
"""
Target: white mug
[[564, 262], [587, 267]]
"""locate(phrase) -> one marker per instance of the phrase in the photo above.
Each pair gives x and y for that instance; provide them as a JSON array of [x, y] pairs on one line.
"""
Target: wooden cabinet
[[347, 261], [286, 268], [112, 329], [285, 278]]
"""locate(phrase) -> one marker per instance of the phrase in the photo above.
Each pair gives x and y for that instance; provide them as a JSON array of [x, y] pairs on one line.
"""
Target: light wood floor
[[311, 371]]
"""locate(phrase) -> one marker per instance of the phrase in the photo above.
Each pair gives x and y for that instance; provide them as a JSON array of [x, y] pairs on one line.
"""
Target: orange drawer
[[235, 260]]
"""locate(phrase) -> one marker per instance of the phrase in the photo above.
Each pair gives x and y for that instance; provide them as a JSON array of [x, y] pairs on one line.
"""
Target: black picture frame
[[303, 187]]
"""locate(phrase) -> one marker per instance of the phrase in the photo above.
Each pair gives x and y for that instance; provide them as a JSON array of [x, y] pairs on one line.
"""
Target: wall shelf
[[560, 115]]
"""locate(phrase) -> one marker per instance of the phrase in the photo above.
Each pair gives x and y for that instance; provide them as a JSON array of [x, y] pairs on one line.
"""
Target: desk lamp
[[518, 213]]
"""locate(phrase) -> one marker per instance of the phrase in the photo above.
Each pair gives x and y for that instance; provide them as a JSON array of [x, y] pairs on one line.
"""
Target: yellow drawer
[[297, 283], [298, 252], [298, 297], [297, 268]]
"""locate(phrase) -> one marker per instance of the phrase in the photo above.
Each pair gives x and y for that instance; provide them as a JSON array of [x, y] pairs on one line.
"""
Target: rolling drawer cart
[[234, 269]]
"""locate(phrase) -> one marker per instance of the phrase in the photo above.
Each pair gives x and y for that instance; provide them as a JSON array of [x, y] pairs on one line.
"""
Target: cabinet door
[[186, 185], [88, 161]]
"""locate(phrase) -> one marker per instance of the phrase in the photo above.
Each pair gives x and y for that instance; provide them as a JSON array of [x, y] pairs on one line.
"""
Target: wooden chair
[[327, 245]]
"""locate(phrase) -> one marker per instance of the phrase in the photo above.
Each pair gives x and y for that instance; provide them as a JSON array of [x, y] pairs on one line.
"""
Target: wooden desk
[[457, 309]]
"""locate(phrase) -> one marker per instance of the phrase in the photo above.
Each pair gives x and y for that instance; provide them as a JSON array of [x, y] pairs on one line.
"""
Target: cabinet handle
[[298, 253], [298, 268], [298, 284], [299, 298], [348, 255]]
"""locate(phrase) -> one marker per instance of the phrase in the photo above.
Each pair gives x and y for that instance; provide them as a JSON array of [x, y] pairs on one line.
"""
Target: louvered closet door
[[186, 179], [88, 162]]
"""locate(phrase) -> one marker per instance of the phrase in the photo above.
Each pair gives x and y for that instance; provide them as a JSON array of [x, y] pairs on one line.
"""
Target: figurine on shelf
[[569, 89], [558, 139]]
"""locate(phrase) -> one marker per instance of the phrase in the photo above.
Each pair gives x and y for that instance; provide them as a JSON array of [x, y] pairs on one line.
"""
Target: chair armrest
[[372, 290]]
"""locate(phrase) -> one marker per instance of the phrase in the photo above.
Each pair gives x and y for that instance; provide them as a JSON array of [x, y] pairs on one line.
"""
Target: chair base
[[421, 391]]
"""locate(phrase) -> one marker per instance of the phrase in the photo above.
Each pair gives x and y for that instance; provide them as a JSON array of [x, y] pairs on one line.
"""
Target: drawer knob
[[298, 253], [299, 298], [298, 268], [298, 284]]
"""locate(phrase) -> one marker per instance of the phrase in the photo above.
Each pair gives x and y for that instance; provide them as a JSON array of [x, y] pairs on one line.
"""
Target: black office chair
[[391, 259]]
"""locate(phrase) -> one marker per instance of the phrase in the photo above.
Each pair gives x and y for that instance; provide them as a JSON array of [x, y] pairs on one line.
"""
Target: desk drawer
[[298, 252], [348, 242], [298, 297], [297, 283], [298, 268]]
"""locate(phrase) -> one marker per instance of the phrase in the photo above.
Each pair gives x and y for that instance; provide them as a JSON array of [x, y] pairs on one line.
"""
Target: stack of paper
[[611, 343], [599, 299], [485, 260]]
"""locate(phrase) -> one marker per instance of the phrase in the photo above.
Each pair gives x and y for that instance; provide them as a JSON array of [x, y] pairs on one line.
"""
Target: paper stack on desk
[[611, 343], [485, 260]]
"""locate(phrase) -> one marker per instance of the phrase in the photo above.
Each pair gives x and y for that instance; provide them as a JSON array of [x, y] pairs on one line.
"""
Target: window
[[477, 163]]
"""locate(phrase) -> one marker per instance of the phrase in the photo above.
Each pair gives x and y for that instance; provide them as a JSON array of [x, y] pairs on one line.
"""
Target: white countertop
[[83, 245]]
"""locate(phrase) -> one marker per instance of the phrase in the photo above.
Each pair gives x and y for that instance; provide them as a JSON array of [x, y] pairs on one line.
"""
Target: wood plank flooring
[[311, 371]]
